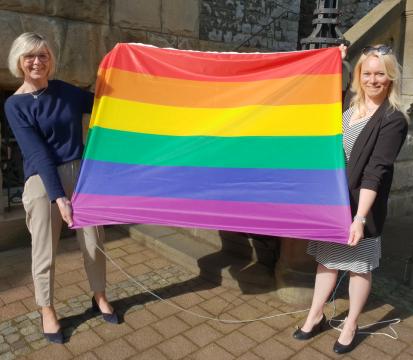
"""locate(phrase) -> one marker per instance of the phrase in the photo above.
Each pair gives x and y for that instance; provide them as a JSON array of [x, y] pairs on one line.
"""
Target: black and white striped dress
[[365, 256]]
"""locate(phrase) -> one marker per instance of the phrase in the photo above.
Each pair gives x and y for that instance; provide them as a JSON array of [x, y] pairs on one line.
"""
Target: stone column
[[407, 77], [295, 272]]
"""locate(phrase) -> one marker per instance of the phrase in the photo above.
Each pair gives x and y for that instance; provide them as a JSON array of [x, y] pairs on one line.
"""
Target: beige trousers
[[45, 223]]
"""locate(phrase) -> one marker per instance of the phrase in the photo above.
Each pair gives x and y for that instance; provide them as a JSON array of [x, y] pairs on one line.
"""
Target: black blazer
[[371, 163]]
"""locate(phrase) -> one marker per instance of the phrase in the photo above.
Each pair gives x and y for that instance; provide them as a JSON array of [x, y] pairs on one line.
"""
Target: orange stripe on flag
[[301, 89]]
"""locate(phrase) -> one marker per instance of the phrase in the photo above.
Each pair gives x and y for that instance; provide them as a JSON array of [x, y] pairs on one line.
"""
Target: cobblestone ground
[[155, 330]]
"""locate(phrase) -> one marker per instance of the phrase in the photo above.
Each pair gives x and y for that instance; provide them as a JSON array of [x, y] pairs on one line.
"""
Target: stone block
[[133, 36], [83, 50], [26, 6], [95, 11], [403, 175], [10, 28], [188, 43], [406, 152], [400, 204], [162, 40], [181, 17], [137, 14]]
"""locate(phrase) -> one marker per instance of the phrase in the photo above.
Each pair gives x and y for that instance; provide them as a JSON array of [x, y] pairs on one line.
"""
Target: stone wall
[[81, 32], [234, 22]]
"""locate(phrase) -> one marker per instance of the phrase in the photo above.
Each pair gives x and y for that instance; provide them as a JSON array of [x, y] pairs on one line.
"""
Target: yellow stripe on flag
[[254, 120]]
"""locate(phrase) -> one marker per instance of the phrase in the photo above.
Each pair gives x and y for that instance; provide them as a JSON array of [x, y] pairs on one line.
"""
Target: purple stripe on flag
[[290, 186], [319, 222]]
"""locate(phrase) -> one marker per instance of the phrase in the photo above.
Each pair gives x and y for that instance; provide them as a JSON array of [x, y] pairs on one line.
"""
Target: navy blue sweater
[[49, 130]]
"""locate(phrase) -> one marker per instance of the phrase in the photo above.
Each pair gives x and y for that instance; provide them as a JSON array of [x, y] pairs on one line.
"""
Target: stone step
[[13, 229], [203, 259], [259, 248]]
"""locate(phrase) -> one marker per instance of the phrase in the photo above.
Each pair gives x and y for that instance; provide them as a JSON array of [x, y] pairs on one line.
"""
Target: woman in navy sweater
[[46, 119]]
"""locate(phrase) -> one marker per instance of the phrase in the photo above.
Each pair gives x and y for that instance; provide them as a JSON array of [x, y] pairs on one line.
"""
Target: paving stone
[[258, 331], [151, 354], [119, 243], [260, 306], [194, 317], [12, 310], [216, 306], [33, 315], [177, 347], [248, 356], [139, 269], [403, 356], [115, 253], [24, 350], [144, 338], [156, 263], [188, 300], [113, 277], [4, 325], [87, 356], [133, 248], [19, 319], [71, 277], [33, 337], [135, 258], [9, 330], [28, 330], [309, 354], [212, 352], [39, 343], [162, 309], [367, 352], [281, 322], [170, 326], [110, 331], [117, 349], [7, 356], [12, 338], [54, 351], [202, 334], [236, 343], [84, 342], [67, 292], [386, 344], [270, 347], [4, 348], [139, 319]]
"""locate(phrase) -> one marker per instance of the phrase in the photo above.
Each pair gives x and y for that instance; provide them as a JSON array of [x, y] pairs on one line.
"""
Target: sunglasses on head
[[382, 49]]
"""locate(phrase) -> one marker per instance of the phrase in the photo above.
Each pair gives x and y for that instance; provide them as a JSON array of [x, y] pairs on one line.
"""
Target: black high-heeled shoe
[[110, 318], [56, 338], [339, 348], [317, 329]]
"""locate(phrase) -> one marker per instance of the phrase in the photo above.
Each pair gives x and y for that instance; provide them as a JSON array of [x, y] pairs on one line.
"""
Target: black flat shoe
[[339, 348], [110, 318], [55, 338], [317, 328]]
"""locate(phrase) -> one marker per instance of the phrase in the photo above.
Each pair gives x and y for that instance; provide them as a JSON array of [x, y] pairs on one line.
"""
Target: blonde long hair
[[393, 72]]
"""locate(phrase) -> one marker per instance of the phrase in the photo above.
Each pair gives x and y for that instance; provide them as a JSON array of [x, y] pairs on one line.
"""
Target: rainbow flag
[[230, 141]]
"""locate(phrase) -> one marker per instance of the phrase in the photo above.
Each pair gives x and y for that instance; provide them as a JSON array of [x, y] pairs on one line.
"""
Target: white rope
[[229, 321], [338, 328]]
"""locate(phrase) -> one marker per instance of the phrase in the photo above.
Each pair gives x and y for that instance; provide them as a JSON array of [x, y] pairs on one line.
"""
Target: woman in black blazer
[[374, 129]]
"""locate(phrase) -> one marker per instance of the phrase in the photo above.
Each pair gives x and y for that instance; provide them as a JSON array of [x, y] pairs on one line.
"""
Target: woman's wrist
[[359, 218], [62, 201]]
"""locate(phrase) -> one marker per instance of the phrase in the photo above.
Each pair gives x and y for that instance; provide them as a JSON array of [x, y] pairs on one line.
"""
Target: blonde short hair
[[393, 72], [27, 43]]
